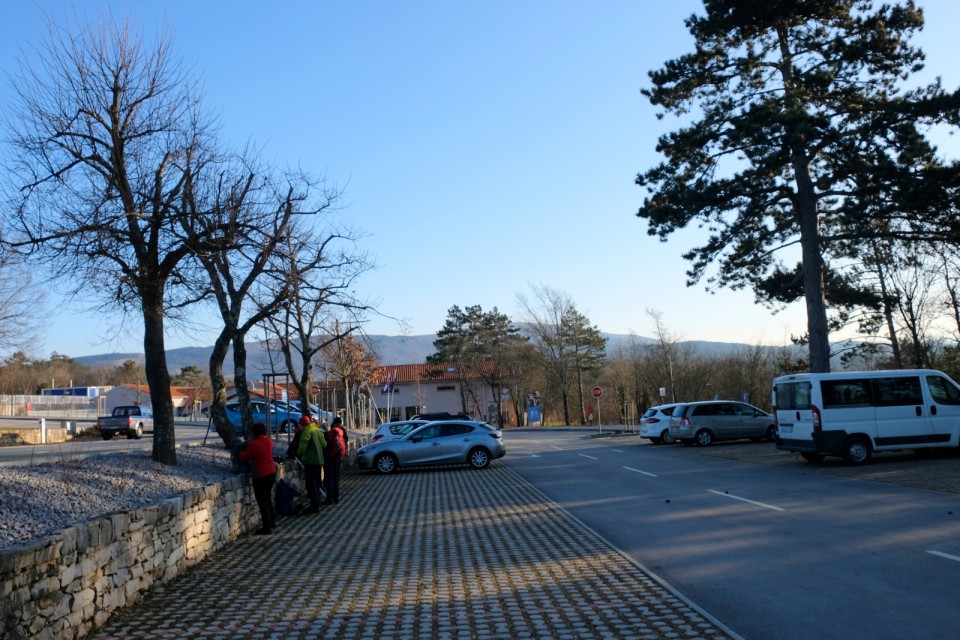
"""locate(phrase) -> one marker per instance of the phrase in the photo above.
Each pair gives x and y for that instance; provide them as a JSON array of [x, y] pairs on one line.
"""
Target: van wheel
[[856, 450], [703, 438], [666, 438], [812, 457]]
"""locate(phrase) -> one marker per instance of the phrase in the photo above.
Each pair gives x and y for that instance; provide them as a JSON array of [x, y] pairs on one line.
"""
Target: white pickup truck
[[131, 420]]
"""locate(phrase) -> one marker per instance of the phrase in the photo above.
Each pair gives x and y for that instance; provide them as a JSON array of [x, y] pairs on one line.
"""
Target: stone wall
[[65, 585]]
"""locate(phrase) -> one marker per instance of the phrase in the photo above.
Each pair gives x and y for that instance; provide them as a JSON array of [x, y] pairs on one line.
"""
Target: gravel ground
[[39, 500]]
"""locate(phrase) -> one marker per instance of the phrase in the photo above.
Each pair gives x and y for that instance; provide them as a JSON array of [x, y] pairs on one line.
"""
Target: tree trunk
[[219, 385], [158, 379], [817, 329], [240, 382]]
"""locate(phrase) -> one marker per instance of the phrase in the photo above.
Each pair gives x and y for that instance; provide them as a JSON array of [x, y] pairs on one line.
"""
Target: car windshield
[[404, 428]]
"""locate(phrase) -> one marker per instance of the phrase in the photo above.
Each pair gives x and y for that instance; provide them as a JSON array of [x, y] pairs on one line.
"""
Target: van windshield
[[793, 395]]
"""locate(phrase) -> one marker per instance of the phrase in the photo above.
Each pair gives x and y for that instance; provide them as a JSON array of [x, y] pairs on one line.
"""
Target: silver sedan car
[[442, 442]]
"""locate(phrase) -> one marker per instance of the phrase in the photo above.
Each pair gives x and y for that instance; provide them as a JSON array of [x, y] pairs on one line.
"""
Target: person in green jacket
[[310, 452]]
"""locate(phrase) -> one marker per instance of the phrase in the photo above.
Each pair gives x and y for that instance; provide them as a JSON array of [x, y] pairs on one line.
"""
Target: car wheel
[[479, 458], [856, 450], [771, 433], [288, 427], [812, 457], [107, 436], [704, 438], [666, 438], [137, 433], [385, 463]]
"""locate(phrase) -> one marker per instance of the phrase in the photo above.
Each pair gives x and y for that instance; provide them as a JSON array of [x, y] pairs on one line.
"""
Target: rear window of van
[[793, 395]]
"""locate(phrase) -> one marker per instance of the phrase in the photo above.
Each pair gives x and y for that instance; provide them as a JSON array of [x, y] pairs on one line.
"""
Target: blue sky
[[484, 148]]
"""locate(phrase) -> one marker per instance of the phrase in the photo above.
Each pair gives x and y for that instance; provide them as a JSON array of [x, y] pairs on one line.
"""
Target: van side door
[[944, 409], [902, 417]]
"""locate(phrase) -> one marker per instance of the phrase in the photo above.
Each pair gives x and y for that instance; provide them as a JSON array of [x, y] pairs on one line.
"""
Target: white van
[[854, 413]]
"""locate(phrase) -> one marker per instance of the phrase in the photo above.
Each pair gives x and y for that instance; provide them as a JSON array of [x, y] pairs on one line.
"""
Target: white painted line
[[759, 504], [586, 456], [646, 473], [944, 555], [559, 448], [617, 450]]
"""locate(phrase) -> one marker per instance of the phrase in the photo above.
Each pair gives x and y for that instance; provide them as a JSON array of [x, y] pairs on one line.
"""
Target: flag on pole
[[391, 380]]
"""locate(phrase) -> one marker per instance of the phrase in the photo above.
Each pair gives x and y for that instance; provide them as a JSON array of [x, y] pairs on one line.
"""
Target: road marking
[[759, 504], [944, 555], [617, 450], [646, 473], [586, 456], [559, 448]]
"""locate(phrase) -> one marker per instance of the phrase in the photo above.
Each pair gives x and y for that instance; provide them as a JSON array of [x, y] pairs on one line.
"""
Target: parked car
[[442, 415], [276, 417], [128, 420], [852, 414], [443, 442], [705, 422], [655, 424], [391, 430], [315, 411]]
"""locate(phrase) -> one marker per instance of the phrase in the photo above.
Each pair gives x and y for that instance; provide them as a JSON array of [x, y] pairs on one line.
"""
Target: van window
[[707, 410], [793, 395], [845, 393], [896, 392], [943, 391]]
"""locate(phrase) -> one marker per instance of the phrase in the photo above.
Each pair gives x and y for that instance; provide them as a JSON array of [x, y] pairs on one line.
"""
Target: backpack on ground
[[286, 494]]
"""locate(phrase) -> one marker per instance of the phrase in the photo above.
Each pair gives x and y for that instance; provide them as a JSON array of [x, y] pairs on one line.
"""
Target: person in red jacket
[[336, 449], [259, 451]]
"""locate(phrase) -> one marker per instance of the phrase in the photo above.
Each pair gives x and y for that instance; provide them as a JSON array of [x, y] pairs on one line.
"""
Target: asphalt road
[[185, 432], [787, 551]]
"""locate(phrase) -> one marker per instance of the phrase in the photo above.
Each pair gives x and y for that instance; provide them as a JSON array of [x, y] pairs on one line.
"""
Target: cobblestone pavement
[[430, 553]]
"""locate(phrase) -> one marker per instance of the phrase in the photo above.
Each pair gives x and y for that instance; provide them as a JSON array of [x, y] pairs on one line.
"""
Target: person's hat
[[305, 420]]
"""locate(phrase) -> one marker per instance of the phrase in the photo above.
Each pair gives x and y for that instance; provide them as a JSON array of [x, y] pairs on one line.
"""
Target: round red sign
[[597, 392], [315, 389]]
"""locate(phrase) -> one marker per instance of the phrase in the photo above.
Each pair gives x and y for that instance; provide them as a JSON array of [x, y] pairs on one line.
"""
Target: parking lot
[[936, 469]]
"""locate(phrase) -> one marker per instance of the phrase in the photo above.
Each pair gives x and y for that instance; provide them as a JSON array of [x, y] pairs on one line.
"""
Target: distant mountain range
[[390, 350]]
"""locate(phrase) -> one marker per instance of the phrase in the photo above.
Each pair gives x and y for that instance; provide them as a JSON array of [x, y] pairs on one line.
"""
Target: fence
[[59, 407]]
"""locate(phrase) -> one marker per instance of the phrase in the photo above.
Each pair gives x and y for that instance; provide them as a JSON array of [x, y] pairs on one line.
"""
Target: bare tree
[[242, 219], [352, 364], [106, 132], [21, 303], [320, 272], [544, 315]]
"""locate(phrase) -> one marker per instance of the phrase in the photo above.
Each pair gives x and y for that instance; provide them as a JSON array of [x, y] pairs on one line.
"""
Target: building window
[[446, 387]]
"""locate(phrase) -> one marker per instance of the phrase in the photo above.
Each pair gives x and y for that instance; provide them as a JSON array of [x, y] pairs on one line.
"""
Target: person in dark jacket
[[336, 448], [310, 452], [259, 452]]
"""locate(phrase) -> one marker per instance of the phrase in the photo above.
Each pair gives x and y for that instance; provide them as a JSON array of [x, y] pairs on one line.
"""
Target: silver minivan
[[704, 422]]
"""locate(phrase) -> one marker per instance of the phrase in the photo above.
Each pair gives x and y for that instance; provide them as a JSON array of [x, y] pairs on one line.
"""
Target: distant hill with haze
[[390, 350]]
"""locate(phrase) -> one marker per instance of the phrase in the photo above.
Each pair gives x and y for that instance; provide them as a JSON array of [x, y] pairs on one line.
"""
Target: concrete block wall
[[67, 584]]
